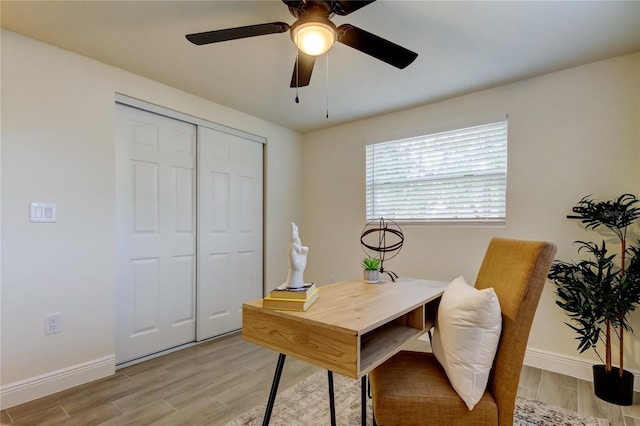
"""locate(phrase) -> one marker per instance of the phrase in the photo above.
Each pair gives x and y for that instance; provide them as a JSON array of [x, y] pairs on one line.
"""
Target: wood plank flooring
[[212, 383]]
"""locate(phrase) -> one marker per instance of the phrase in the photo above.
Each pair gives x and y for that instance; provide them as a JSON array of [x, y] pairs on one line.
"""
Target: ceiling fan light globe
[[314, 38]]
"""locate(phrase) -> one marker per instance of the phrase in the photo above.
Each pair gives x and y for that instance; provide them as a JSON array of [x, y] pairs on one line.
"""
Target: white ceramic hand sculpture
[[297, 260]]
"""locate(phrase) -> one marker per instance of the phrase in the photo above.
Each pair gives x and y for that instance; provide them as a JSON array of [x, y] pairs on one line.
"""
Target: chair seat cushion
[[412, 388]]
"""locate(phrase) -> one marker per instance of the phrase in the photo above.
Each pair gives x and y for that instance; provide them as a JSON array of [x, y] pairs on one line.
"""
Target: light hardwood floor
[[212, 383]]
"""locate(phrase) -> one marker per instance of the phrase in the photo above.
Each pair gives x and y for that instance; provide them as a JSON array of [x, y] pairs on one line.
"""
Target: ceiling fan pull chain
[[327, 87], [297, 72]]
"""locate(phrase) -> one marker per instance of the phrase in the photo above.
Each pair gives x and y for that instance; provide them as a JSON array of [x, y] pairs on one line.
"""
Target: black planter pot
[[611, 387]]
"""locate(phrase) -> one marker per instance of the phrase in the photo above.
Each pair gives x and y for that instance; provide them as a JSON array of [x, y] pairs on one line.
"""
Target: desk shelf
[[380, 344], [385, 341]]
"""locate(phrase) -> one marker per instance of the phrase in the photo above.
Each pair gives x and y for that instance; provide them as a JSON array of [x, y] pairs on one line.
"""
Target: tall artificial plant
[[599, 292]]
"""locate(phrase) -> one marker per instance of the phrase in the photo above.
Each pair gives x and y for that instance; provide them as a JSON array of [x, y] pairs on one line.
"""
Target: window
[[458, 176]]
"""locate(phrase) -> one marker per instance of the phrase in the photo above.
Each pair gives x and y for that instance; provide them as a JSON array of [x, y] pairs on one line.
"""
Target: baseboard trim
[[567, 365], [579, 368], [26, 390]]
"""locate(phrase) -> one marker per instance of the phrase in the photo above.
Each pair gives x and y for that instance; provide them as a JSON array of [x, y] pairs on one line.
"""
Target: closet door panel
[[155, 233], [230, 210]]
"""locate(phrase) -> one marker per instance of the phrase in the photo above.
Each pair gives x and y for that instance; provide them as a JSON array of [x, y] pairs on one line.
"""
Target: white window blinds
[[454, 176]]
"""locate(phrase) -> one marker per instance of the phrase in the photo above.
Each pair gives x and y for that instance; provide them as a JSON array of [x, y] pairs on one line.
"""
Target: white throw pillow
[[466, 336]]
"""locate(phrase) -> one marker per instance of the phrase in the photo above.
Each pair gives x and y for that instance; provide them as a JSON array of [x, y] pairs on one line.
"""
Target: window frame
[[491, 138]]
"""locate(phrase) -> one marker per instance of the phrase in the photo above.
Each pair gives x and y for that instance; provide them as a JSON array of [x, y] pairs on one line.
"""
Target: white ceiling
[[462, 46]]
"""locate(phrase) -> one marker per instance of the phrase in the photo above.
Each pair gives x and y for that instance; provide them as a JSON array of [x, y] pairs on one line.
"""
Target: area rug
[[307, 404]]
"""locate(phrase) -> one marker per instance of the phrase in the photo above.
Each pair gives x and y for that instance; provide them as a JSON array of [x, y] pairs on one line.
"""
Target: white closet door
[[156, 233], [230, 229]]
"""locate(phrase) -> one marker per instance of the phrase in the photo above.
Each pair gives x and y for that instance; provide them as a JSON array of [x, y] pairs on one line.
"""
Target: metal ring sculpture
[[383, 237]]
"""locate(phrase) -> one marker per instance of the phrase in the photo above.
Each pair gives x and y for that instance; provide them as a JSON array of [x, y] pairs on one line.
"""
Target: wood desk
[[352, 328]]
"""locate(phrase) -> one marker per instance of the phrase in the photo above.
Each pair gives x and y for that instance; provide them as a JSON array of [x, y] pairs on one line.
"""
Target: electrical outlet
[[53, 323]]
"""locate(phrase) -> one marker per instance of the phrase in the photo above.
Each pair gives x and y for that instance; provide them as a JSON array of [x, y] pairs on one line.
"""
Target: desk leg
[[274, 389], [363, 398], [332, 403]]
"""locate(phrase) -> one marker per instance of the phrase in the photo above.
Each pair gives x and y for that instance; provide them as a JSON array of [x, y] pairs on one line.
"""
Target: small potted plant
[[371, 267], [599, 292]]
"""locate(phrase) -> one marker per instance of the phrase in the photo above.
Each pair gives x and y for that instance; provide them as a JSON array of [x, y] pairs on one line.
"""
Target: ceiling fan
[[314, 34]]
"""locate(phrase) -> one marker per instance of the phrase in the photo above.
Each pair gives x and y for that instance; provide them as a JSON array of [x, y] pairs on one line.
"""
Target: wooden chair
[[412, 388]]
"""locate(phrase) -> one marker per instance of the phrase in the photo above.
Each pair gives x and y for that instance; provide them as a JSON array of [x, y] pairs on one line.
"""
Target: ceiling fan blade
[[375, 46], [237, 33], [302, 70], [345, 7]]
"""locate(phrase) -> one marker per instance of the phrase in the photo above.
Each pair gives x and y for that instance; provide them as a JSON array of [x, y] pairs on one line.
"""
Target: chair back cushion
[[466, 336], [517, 271]]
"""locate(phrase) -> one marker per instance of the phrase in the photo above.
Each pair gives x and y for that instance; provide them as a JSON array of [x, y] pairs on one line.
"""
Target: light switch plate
[[43, 212]]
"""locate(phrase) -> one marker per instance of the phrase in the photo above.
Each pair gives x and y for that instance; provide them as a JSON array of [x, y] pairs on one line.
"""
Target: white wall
[[571, 133], [58, 145]]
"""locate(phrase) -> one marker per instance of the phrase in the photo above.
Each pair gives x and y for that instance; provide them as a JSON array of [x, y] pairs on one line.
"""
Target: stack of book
[[291, 299]]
